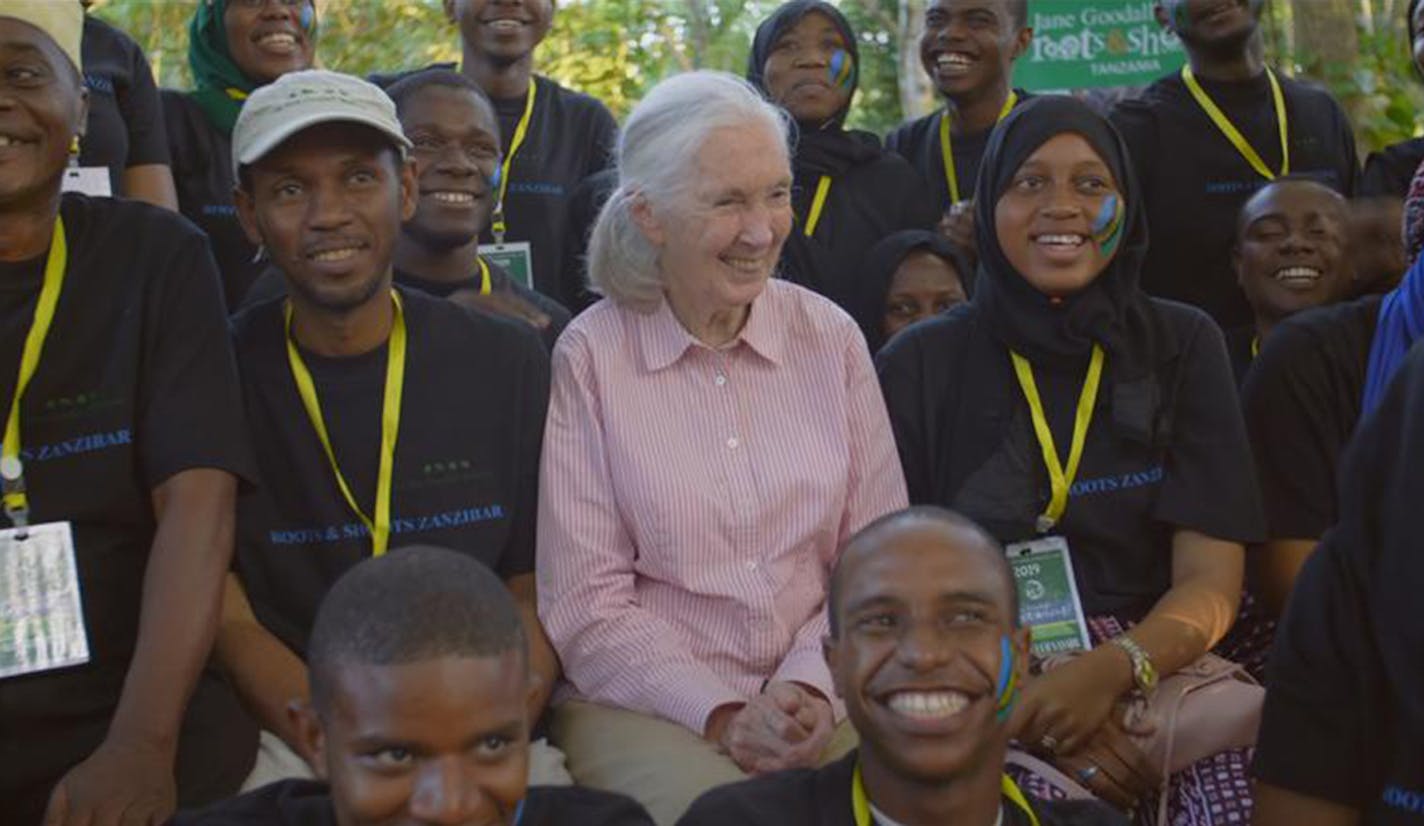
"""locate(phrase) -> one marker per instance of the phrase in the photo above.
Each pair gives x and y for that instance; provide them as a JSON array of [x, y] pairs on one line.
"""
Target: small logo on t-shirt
[[1408, 800], [1118, 482]]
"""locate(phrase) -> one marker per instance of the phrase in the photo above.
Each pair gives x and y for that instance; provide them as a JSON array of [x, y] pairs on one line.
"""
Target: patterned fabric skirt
[[1215, 791]]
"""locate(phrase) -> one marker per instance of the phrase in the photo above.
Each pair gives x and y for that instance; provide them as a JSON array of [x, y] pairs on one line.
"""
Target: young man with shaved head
[[968, 49], [927, 652], [419, 710]]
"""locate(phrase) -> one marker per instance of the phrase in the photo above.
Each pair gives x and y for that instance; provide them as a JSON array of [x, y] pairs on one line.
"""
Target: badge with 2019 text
[[93, 181], [515, 257], [1048, 595], [41, 612]]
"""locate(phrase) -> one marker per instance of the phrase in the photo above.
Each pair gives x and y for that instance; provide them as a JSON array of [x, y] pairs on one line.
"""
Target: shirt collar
[[664, 340]]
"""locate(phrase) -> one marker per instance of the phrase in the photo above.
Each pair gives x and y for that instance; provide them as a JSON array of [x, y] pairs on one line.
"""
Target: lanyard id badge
[[93, 181], [515, 257], [41, 614], [1048, 595]]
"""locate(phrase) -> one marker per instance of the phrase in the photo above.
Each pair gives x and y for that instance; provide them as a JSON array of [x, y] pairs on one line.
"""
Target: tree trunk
[[916, 92]]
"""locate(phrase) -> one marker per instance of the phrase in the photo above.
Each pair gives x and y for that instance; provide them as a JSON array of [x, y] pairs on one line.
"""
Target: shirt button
[[732, 443], [751, 566], [721, 380]]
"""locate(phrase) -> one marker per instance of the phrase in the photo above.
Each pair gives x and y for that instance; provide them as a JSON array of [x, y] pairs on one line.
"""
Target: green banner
[[1089, 44]]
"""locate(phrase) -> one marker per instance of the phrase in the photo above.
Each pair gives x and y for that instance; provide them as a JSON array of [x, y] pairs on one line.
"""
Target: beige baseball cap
[[298, 101], [62, 20]]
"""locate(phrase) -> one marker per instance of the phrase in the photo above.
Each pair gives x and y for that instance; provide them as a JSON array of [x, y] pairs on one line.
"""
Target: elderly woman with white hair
[[713, 436]]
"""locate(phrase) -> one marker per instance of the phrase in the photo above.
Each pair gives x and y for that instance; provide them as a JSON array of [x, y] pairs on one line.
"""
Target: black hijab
[[1113, 310], [821, 149], [883, 260]]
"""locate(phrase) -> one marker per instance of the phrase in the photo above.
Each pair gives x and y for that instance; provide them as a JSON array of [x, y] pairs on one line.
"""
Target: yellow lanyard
[[860, 804], [946, 146], [823, 188], [1255, 346], [1059, 477], [485, 284], [380, 527], [498, 225], [1237, 139], [17, 503]]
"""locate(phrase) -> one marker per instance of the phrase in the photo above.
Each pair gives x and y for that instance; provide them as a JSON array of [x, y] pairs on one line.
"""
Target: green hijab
[[221, 85]]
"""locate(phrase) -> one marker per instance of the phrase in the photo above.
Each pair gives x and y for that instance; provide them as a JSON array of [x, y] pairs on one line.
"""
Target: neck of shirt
[[883, 819]]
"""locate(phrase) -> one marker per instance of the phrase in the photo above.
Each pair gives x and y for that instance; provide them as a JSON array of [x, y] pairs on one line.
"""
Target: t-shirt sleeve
[[1291, 416], [1377, 180], [1312, 739], [190, 402], [1134, 119], [1210, 483], [142, 111], [897, 365], [604, 139], [533, 371]]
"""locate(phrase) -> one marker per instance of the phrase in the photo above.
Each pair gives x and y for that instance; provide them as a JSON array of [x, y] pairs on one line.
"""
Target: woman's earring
[[74, 151]]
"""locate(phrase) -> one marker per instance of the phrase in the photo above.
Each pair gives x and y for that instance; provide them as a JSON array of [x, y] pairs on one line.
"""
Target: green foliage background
[[616, 49]]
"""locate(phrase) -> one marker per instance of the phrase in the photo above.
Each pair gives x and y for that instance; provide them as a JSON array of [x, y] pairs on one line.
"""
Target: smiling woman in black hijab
[[849, 192], [1136, 399]]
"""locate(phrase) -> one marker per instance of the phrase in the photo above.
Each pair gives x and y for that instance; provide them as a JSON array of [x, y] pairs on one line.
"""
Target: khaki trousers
[[656, 762]]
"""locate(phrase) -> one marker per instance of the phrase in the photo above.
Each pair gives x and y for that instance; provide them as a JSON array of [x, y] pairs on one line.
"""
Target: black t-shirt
[[466, 466], [585, 203], [918, 142], [499, 282], [136, 383], [308, 803], [1302, 404], [1241, 349], [570, 137], [822, 797], [1195, 181], [865, 204], [1343, 719], [202, 173], [1389, 171], [966, 441], [125, 118]]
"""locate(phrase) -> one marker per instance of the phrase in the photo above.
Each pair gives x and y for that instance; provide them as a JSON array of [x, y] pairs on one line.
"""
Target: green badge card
[[515, 258], [1048, 595]]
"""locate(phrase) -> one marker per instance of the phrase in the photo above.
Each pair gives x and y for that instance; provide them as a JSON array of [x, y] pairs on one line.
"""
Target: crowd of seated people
[[430, 447]]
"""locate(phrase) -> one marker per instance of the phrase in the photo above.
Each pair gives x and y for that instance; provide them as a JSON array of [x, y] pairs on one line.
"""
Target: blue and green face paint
[[1107, 227], [1007, 691], [842, 69]]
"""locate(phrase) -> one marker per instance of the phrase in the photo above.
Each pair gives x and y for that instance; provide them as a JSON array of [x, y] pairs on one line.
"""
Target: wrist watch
[[1143, 672]]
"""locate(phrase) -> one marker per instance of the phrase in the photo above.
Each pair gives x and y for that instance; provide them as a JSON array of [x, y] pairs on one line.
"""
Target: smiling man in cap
[[380, 415]]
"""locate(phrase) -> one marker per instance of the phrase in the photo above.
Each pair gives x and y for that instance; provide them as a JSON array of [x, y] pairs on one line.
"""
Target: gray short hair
[[656, 158]]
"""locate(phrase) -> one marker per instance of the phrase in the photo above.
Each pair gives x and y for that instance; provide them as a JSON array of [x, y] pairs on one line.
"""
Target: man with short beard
[[1205, 138], [382, 416]]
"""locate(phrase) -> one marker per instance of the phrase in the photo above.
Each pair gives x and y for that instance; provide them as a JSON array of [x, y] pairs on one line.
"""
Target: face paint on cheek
[[1006, 693], [497, 176], [1107, 227], [842, 69], [308, 18]]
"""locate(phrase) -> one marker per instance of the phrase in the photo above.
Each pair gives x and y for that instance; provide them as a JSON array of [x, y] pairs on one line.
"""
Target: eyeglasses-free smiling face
[[968, 45], [42, 107], [719, 242], [456, 151], [798, 72], [1291, 254], [1049, 220], [922, 621], [504, 31], [436, 741], [269, 38]]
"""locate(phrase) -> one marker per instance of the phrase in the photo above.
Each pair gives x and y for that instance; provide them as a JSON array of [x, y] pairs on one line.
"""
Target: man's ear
[[310, 734], [410, 188], [647, 220], [1021, 43], [247, 214]]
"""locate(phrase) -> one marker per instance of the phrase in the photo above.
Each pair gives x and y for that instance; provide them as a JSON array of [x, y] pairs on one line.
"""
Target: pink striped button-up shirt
[[692, 500]]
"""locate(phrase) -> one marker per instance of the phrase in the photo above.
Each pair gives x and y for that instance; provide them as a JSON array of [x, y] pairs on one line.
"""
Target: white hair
[[657, 161]]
